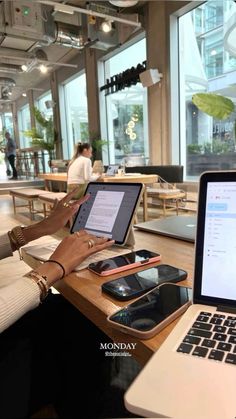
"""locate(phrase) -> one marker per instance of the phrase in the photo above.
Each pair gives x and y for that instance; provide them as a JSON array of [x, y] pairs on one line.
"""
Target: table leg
[[14, 203], [47, 184]]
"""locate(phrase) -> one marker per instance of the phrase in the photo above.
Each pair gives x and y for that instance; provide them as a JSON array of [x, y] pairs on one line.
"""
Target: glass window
[[7, 122], [207, 65], [41, 104], [126, 111], [75, 120], [24, 125]]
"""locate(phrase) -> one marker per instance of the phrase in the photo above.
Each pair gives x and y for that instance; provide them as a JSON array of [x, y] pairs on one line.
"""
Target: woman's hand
[[62, 212], [72, 251]]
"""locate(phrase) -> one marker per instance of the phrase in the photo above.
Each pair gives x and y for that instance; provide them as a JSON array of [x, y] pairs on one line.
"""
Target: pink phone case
[[127, 267]]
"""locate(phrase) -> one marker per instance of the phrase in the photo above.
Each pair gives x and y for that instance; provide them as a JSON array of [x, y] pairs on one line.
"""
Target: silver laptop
[[179, 226], [108, 213], [112, 170], [193, 374]]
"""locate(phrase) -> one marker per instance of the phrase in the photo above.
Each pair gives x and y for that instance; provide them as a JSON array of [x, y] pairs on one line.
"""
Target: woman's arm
[[89, 176], [25, 293], [63, 211]]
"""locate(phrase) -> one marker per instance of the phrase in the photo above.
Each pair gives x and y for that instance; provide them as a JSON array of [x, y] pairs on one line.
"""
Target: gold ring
[[66, 205], [91, 243]]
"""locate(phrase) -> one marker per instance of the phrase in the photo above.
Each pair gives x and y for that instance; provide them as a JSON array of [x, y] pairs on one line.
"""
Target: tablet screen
[[109, 210]]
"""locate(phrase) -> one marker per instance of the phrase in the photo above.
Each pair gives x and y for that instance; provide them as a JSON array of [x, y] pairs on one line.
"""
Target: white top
[[80, 171], [18, 297]]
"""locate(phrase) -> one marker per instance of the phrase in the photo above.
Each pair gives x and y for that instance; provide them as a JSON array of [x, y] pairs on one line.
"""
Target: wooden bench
[[48, 200], [26, 194], [167, 196]]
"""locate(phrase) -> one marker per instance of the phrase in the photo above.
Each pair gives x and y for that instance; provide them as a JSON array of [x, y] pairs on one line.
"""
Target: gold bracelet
[[41, 281], [18, 236]]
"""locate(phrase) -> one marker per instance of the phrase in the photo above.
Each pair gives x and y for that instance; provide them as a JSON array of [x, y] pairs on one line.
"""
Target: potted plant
[[43, 135], [97, 145]]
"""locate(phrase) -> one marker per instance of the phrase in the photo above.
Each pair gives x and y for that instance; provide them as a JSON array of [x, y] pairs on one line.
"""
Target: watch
[[18, 236]]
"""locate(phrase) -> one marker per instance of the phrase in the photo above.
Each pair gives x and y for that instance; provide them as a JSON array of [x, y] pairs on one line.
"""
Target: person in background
[[11, 153], [43, 345], [80, 169]]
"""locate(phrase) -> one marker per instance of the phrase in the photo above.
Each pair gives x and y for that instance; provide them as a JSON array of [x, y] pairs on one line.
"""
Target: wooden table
[[145, 179], [83, 290]]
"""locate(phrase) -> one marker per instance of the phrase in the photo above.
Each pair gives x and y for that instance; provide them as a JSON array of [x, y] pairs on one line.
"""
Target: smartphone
[[137, 284], [124, 262], [148, 315]]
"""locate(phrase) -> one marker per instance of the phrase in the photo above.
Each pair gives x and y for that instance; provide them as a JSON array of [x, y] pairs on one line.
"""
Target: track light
[[24, 94], [106, 26], [43, 69], [24, 67]]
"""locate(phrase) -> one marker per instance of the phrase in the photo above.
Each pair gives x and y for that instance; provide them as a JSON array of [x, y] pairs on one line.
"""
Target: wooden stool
[[48, 200], [26, 194]]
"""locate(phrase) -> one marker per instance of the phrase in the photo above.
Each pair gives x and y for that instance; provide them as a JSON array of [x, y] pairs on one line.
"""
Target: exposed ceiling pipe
[[71, 9]]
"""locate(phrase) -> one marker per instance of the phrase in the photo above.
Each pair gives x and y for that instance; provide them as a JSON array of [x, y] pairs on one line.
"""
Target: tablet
[[109, 211]]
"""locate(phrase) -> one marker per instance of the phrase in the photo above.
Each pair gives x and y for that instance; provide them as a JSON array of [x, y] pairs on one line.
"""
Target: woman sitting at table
[[43, 345], [80, 169]]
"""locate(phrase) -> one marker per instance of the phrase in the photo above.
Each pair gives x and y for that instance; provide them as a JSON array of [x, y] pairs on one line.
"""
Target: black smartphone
[[137, 284], [124, 262], [152, 312]]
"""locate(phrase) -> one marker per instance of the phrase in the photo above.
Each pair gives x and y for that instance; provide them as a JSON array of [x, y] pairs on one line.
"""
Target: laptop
[[108, 213], [112, 169], [193, 374], [179, 226]]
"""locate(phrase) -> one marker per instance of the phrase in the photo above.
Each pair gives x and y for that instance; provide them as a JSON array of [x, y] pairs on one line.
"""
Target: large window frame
[[68, 134], [24, 123], [110, 154]]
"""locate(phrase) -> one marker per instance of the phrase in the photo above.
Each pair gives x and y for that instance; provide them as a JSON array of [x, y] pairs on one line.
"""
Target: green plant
[[218, 106], [43, 135], [97, 145], [194, 148], [207, 148]]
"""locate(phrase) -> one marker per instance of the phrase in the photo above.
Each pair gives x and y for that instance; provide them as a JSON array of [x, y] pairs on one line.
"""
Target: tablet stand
[[130, 242]]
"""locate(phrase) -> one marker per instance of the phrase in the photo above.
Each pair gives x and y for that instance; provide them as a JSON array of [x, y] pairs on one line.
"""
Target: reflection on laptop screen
[[109, 210], [219, 252]]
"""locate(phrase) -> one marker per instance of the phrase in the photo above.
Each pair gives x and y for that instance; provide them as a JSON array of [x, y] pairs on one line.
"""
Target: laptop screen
[[112, 169], [215, 263], [109, 211]]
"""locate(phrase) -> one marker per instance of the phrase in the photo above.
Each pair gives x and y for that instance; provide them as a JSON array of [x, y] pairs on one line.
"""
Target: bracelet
[[17, 236], [61, 266], [41, 282]]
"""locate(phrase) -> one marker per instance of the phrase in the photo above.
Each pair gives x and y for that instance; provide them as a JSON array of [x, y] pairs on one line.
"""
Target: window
[[207, 65], [24, 125], [126, 110], [41, 105], [75, 121], [7, 122]]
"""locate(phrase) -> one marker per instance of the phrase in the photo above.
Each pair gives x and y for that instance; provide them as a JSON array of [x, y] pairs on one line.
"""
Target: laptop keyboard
[[211, 336]]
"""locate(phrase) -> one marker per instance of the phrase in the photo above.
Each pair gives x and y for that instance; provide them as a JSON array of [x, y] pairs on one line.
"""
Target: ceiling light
[[24, 67], [43, 69], [213, 52], [24, 94], [106, 26], [63, 8], [9, 93]]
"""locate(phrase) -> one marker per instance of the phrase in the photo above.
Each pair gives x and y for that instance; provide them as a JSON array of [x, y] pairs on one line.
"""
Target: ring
[[66, 205], [91, 243]]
